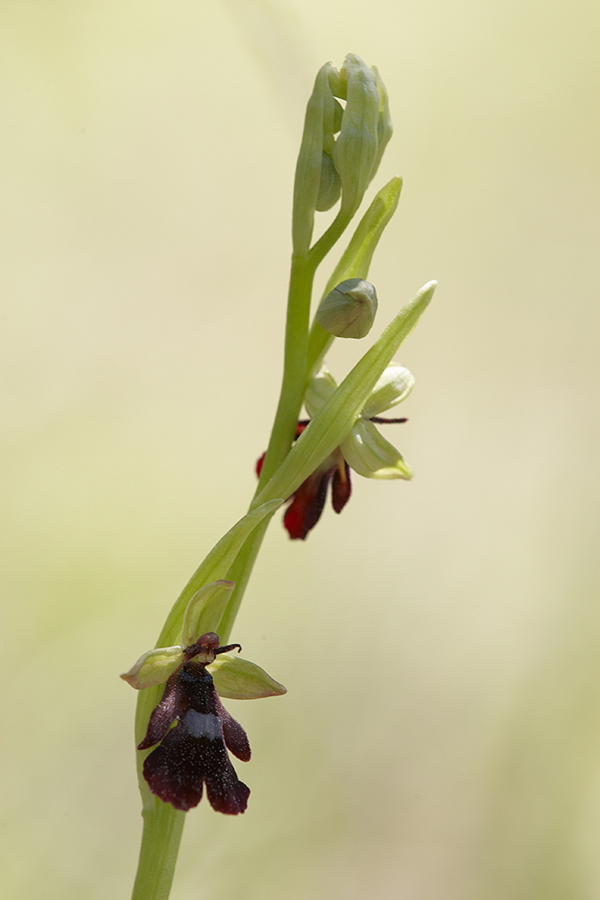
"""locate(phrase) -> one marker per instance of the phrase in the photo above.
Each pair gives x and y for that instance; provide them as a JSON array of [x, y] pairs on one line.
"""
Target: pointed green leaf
[[214, 566]]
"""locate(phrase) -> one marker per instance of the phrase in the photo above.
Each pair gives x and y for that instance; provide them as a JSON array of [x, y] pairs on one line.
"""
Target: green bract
[[309, 188], [366, 129], [205, 610]]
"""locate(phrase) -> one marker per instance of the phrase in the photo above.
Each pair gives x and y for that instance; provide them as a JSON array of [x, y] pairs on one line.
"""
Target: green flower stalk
[[183, 733]]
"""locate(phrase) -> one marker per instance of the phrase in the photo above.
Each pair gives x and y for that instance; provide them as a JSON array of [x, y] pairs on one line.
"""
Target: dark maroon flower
[[195, 732], [308, 501]]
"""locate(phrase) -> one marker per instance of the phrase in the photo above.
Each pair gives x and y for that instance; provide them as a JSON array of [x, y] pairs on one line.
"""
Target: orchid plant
[[183, 732]]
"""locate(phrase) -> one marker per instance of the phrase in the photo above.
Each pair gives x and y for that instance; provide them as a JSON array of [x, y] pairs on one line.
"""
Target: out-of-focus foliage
[[440, 640]]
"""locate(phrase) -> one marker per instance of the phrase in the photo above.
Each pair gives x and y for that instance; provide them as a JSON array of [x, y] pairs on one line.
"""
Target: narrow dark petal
[[259, 464], [235, 736], [380, 421], [305, 509], [163, 715], [341, 487]]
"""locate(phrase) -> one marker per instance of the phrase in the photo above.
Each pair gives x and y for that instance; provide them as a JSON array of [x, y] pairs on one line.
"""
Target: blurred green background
[[440, 640]]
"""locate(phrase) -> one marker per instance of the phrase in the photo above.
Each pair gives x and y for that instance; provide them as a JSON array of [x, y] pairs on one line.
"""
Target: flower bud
[[348, 310], [312, 187], [330, 185], [341, 146], [366, 129]]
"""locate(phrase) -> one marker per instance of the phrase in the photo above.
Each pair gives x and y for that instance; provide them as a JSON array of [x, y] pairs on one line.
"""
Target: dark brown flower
[[195, 731]]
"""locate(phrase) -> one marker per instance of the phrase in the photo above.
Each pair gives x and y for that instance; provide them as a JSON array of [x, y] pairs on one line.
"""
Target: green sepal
[[319, 390], [239, 679], [154, 667], [205, 610], [393, 387], [333, 422], [369, 454]]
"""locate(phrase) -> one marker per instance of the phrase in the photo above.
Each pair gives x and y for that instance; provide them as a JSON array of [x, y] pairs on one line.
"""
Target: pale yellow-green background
[[440, 640]]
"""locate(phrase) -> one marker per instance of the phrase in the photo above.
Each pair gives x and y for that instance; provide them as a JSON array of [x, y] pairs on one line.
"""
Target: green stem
[[240, 572], [290, 402], [294, 368], [321, 248], [163, 827]]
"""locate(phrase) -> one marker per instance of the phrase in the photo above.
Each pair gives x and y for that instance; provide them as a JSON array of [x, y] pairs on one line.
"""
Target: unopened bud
[[348, 310], [330, 185], [366, 129]]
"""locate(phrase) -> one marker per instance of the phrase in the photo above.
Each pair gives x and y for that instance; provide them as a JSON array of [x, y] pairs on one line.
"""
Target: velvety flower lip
[[365, 450], [194, 732]]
